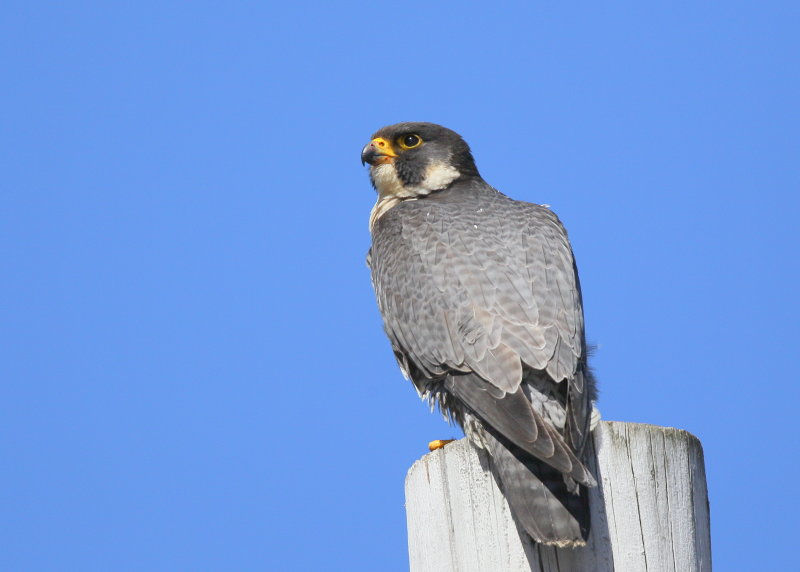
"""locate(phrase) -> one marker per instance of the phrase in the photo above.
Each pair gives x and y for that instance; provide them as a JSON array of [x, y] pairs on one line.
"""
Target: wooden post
[[649, 512]]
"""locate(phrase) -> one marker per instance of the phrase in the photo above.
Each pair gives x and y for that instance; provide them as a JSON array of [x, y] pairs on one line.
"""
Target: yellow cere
[[383, 146]]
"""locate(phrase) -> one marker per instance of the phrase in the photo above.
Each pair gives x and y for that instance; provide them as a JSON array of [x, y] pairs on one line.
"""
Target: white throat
[[391, 190]]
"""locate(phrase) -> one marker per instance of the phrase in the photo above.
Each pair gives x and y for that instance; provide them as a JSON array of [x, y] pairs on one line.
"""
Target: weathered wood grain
[[650, 512]]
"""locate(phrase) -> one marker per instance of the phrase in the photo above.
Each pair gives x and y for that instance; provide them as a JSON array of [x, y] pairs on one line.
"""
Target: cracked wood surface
[[650, 512]]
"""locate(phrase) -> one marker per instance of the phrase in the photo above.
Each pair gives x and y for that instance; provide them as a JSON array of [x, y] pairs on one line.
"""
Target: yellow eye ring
[[409, 141]]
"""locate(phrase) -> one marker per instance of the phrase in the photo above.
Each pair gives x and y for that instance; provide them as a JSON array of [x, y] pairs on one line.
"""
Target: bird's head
[[408, 160]]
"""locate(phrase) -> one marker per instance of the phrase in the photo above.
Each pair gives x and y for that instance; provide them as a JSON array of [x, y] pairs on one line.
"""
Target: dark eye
[[409, 141]]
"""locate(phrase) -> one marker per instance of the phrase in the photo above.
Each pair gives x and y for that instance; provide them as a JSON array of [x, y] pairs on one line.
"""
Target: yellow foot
[[439, 443]]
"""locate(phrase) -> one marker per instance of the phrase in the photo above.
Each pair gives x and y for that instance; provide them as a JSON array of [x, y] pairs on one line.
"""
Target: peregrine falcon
[[480, 298]]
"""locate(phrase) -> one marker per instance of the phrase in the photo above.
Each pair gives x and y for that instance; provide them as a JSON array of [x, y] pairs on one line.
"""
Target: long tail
[[544, 505]]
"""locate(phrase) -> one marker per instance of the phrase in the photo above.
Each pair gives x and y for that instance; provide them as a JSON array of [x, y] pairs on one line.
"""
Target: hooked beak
[[377, 152]]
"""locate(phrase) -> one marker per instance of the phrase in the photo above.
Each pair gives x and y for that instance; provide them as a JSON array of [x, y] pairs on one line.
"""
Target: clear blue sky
[[193, 371]]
